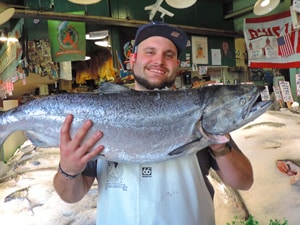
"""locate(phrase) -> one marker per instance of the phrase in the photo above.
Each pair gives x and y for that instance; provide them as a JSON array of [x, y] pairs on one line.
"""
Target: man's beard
[[146, 84]]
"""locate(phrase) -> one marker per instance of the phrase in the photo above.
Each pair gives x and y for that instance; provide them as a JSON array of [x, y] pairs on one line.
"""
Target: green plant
[[278, 222], [249, 221], [252, 221]]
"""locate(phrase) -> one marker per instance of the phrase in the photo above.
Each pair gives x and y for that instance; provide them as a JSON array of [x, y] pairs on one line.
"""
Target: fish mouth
[[257, 108], [219, 122]]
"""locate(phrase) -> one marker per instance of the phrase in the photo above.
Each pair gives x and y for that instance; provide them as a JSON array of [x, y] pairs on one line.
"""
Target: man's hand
[[74, 154], [220, 140]]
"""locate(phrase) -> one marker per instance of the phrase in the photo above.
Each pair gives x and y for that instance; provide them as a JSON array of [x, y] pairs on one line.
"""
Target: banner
[[11, 53], [272, 41], [67, 40]]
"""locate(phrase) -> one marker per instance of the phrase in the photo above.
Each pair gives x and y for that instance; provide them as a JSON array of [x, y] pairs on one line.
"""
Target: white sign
[[298, 84], [265, 95], [286, 91], [277, 93]]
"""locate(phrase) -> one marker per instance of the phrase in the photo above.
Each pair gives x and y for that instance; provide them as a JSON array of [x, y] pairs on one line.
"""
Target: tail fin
[[4, 131]]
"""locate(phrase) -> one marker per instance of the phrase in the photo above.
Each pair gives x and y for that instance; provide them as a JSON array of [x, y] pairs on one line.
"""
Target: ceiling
[[43, 9], [228, 5]]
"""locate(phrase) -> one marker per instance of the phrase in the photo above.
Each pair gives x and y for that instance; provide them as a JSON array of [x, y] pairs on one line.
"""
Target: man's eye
[[170, 55], [149, 52]]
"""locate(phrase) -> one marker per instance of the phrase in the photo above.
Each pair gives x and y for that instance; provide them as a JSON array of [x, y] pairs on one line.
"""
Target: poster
[[295, 18], [240, 52], [216, 57], [295, 13], [199, 50]]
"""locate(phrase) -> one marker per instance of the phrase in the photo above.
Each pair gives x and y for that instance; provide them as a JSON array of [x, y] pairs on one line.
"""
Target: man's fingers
[[93, 153], [81, 133], [65, 129]]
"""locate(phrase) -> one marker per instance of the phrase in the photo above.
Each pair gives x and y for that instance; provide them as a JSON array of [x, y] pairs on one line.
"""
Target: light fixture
[[96, 35], [12, 38], [263, 7], [103, 43], [6, 13], [84, 2], [3, 36], [180, 4]]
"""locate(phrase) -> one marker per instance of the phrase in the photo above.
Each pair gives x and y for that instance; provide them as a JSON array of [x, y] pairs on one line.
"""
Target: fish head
[[229, 107]]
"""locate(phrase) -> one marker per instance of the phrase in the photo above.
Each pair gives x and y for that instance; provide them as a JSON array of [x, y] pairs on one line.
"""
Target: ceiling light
[[11, 37], [103, 43], [263, 7], [84, 2], [95, 35], [3, 37], [6, 13], [180, 4]]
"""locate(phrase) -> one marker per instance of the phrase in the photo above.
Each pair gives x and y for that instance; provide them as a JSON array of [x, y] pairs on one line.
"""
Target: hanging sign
[[272, 42], [67, 40]]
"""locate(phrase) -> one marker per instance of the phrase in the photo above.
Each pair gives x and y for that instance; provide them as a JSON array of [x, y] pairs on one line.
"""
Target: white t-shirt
[[171, 192]]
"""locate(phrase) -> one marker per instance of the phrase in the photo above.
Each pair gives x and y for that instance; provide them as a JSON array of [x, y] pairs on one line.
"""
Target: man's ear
[[132, 59]]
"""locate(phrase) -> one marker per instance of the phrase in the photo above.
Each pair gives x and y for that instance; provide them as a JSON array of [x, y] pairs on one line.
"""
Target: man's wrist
[[69, 176], [221, 152]]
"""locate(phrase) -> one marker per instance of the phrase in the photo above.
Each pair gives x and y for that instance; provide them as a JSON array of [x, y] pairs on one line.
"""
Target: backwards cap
[[177, 36]]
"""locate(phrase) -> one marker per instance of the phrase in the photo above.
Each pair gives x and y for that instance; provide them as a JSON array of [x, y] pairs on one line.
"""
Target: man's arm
[[68, 182], [234, 167], [72, 190]]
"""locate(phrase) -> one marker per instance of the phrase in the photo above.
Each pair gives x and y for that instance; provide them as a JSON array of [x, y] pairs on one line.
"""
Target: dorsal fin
[[109, 88]]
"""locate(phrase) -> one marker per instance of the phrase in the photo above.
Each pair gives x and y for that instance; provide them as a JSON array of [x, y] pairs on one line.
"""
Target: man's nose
[[159, 58]]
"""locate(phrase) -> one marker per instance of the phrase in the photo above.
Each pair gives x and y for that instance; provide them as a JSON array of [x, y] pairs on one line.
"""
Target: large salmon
[[140, 126]]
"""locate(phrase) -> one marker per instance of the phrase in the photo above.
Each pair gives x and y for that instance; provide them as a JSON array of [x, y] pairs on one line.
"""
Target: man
[[170, 192]]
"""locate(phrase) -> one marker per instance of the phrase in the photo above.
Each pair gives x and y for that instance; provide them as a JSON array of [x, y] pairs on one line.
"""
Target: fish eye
[[242, 101]]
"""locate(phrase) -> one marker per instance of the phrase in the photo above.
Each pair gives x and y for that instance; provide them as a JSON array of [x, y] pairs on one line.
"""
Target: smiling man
[[174, 191]]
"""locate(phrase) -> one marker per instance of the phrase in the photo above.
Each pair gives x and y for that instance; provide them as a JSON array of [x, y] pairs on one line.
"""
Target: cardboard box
[[65, 85]]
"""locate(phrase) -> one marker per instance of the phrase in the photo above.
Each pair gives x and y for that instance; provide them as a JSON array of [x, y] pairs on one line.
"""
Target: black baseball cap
[[176, 35]]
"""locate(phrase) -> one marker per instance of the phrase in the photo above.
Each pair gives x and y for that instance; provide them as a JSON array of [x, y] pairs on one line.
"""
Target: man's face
[[155, 64]]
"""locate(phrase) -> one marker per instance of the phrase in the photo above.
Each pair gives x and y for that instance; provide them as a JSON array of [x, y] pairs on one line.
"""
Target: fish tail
[[3, 135], [4, 130]]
